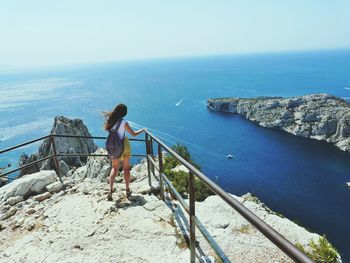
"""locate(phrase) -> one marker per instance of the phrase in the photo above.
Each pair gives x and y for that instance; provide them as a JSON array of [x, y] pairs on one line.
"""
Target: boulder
[[139, 170], [54, 187], [28, 185], [42, 197], [80, 173], [14, 200], [98, 167]]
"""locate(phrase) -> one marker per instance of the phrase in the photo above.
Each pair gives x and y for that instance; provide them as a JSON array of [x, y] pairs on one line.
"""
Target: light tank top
[[121, 130]]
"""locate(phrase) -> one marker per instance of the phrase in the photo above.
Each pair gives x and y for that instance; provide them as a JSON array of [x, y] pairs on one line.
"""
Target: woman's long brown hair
[[112, 117]]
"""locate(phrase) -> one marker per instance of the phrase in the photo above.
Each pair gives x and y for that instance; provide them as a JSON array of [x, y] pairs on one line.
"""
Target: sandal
[[109, 196], [128, 193]]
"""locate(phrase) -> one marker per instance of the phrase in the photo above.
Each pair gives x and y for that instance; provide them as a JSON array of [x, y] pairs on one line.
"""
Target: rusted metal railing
[[54, 156], [286, 246], [280, 241]]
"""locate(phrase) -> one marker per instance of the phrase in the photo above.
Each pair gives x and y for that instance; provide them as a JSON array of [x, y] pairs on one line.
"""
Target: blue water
[[300, 178]]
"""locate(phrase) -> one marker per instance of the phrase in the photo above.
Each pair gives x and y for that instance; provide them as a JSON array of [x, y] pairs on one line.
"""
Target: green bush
[[322, 252], [171, 162], [180, 179]]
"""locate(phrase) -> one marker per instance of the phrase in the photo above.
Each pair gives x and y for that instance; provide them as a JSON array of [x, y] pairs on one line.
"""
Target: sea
[[302, 179]]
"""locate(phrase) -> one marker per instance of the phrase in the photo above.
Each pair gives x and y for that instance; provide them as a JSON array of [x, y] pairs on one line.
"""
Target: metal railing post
[[160, 160], [57, 165], [192, 219], [152, 154], [148, 162]]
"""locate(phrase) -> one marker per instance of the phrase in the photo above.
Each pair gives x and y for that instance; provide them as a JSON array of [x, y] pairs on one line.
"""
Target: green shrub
[[180, 179], [171, 162], [322, 252]]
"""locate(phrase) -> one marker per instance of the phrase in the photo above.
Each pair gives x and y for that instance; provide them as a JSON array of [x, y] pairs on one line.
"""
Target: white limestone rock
[[316, 116], [14, 200], [54, 187], [80, 173], [28, 185], [81, 228], [98, 167], [139, 170], [64, 168], [80, 224], [63, 126], [42, 197], [12, 211], [181, 168], [236, 236]]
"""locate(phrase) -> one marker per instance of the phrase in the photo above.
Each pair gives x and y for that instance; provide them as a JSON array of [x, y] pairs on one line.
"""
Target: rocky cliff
[[318, 116], [62, 126], [45, 220]]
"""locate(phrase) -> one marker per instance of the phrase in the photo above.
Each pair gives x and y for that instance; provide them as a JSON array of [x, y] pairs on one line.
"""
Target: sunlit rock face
[[318, 116], [62, 126]]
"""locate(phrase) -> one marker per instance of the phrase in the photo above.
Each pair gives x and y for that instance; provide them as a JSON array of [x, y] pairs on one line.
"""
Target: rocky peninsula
[[317, 116], [44, 218]]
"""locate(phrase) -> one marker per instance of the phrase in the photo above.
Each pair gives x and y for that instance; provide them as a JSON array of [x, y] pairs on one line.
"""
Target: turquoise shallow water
[[300, 178]]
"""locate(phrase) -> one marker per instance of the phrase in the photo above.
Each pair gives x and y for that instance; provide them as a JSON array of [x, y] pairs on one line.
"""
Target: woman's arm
[[133, 133]]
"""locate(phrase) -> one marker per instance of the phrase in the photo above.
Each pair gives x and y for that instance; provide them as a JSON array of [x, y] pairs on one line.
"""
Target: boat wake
[[179, 102]]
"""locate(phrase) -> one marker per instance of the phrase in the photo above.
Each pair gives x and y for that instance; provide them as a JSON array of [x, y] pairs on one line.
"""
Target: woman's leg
[[126, 168], [113, 173]]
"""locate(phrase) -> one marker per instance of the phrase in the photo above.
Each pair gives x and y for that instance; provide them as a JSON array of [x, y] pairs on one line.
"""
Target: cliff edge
[[317, 116], [44, 220]]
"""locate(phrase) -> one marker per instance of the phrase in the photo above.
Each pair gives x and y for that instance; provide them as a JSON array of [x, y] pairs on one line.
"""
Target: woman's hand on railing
[[132, 132], [141, 131]]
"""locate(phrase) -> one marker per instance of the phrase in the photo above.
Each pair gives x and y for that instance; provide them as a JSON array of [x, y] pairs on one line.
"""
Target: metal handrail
[[26, 165], [55, 154], [24, 144], [280, 241], [91, 137], [285, 245]]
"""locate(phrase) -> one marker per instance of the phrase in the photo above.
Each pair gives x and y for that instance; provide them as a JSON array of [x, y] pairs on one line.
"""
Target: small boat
[[178, 103], [229, 156]]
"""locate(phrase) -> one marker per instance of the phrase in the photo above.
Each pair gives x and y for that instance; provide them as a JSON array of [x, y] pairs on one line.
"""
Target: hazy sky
[[36, 33]]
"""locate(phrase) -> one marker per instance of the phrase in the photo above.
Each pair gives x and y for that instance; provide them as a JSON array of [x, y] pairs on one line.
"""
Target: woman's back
[[121, 129]]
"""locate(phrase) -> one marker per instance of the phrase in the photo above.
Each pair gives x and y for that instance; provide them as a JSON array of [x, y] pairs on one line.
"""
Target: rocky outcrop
[[25, 159], [79, 224], [27, 185], [318, 116], [76, 222], [237, 237], [98, 167], [3, 180], [62, 126]]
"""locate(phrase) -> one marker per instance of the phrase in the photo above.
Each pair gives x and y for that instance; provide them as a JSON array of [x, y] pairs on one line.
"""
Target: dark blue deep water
[[300, 178]]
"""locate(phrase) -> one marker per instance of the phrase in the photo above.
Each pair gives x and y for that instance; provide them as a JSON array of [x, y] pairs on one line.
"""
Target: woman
[[112, 120]]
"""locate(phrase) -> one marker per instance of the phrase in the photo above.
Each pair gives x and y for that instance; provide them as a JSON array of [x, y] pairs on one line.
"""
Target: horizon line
[[50, 67]]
